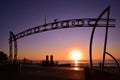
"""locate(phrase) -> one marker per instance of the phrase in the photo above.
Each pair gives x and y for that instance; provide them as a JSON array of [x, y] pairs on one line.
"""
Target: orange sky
[[17, 16], [36, 47]]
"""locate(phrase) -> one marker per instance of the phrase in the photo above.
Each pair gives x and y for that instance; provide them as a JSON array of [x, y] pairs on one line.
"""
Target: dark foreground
[[33, 72], [96, 74], [48, 73]]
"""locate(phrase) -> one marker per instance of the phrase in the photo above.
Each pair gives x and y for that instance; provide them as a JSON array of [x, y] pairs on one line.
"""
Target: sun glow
[[76, 55]]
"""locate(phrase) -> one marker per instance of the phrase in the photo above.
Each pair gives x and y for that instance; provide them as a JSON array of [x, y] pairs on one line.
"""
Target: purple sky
[[19, 15]]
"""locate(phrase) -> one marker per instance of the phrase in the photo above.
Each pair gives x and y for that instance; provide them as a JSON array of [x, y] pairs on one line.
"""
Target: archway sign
[[72, 23]]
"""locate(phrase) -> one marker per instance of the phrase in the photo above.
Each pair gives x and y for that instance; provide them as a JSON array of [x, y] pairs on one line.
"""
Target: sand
[[44, 74]]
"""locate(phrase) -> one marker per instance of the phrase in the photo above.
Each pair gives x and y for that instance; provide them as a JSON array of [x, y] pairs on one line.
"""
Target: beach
[[37, 72], [45, 73]]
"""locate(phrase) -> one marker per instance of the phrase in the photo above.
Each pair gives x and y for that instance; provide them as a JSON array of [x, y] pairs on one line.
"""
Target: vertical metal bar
[[106, 35], [90, 49], [12, 38], [92, 34], [10, 47], [10, 51], [15, 50]]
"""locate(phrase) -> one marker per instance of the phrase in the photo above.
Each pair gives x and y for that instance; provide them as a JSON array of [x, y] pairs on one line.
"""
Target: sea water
[[84, 63], [87, 62]]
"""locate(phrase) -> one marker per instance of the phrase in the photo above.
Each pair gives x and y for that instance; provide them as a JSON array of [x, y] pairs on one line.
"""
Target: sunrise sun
[[76, 55]]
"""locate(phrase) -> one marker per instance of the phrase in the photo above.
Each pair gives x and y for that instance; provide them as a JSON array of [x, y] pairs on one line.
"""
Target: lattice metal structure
[[71, 23]]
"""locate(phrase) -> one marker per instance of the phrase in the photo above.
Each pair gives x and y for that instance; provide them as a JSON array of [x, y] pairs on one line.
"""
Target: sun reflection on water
[[76, 63], [76, 68]]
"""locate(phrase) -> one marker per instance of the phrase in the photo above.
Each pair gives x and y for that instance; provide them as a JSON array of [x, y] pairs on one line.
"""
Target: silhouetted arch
[[93, 31], [71, 23], [113, 59], [11, 40]]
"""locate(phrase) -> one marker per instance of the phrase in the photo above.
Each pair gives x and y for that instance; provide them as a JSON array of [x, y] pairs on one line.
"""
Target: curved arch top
[[71, 23], [84, 22]]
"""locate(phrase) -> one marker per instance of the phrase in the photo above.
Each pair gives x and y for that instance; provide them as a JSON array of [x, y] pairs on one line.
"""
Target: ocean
[[87, 63], [84, 63]]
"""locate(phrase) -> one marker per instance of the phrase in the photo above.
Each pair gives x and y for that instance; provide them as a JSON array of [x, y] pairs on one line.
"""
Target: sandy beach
[[37, 72], [45, 74]]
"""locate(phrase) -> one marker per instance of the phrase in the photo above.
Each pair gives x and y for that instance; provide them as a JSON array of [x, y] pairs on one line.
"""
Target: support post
[[93, 31], [106, 35], [15, 49], [10, 47], [11, 39]]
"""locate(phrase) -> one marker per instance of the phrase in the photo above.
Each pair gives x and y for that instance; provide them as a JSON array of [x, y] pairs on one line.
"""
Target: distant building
[[48, 62]]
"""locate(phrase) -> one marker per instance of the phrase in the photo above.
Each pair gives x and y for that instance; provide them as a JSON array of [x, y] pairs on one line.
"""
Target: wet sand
[[44, 74], [36, 72]]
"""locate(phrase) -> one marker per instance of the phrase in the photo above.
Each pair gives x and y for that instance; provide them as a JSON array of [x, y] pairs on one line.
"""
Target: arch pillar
[[92, 35], [12, 47]]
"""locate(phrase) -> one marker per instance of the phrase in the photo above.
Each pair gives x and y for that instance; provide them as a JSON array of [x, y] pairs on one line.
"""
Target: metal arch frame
[[118, 65], [72, 23], [12, 40], [107, 10]]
